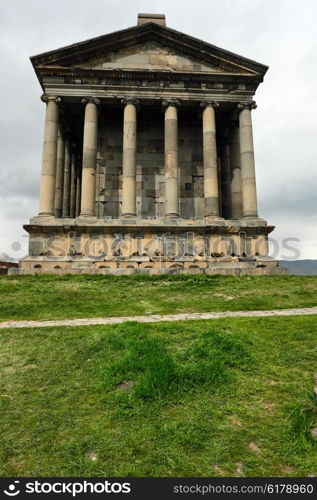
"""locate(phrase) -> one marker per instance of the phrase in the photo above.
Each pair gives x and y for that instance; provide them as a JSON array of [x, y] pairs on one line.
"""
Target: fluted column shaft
[[235, 169], [78, 186], [225, 174], [73, 184], [171, 159], [89, 157], [59, 186], [211, 190], [129, 157], [48, 174], [249, 197], [67, 174]]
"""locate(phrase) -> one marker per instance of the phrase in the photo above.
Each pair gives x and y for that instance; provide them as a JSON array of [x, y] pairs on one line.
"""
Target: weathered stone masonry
[[148, 158]]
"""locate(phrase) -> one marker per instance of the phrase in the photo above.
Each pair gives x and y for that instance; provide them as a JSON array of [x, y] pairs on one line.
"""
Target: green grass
[[197, 398], [56, 297]]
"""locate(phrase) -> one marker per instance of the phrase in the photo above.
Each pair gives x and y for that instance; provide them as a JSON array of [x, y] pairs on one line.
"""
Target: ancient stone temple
[[148, 161]]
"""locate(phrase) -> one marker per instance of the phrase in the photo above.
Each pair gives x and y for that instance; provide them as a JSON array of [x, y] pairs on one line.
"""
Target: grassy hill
[[227, 397], [58, 297], [230, 397]]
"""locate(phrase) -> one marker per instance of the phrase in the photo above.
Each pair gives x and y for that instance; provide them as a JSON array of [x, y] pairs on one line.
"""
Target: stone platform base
[[128, 268], [135, 246]]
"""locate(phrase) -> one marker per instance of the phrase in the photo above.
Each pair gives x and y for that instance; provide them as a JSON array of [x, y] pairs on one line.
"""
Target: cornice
[[164, 36], [149, 75]]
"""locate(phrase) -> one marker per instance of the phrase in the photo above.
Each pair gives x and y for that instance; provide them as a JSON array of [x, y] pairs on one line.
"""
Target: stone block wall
[[150, 164]]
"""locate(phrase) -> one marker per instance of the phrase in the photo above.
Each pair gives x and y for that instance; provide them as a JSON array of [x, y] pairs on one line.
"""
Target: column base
[[214, 218], [171, 216], [85, 218], [251, 216], [127, 215]]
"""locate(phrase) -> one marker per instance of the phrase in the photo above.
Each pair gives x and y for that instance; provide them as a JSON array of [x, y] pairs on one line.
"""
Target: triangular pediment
[[150, 56], [149, 47]]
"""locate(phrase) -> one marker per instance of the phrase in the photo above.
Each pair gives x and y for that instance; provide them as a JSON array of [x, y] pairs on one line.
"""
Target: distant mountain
[[6, 258], [299, 267]]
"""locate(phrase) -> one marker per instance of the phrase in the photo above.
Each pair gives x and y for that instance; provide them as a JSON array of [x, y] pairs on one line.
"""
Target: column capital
[[92, 100], [170, 102], [247, 105], [213, 104], [130, 100], [51, 98]]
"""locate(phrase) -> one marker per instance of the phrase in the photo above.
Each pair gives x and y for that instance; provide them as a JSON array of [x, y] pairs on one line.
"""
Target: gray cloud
[[279, 33]]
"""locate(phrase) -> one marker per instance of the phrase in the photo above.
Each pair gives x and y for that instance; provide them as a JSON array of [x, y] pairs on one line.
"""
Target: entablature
[[148, 77], [112, 94]]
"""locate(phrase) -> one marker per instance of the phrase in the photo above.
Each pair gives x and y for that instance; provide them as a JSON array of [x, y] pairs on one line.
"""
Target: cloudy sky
[[279, 33]]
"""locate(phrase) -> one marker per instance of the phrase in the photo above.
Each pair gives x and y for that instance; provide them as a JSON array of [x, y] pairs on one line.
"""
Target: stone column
[[48, 174], [235, 171], [89, 157], [59, 186], [67, 173], [78, 185], [73, 183], [249, 198], [219, 170], [225, 173], [171, 158], [129, 157], [97, 194], [211, 191]]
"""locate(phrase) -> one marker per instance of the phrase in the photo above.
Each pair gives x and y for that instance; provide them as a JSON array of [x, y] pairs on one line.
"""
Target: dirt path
[[155, 318]]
